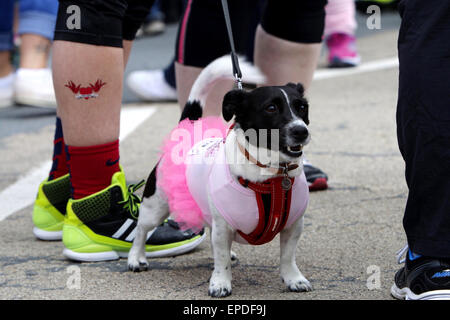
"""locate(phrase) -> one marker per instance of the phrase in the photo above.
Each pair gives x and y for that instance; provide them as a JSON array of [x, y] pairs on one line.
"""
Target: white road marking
[[23, 192], [133, 116], [371, 66]]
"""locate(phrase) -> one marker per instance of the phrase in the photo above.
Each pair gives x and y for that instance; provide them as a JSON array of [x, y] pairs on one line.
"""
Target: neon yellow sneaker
[[102, 226], [50, 208]]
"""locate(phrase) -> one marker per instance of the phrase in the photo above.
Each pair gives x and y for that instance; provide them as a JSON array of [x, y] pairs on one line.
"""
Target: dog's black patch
[[192, 111], [150, 186]]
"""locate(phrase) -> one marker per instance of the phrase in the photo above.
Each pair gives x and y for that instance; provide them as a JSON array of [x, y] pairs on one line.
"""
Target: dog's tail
[[217, 70]]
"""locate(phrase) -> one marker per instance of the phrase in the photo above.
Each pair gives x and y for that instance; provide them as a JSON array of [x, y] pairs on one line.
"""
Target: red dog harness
[[273, 211]]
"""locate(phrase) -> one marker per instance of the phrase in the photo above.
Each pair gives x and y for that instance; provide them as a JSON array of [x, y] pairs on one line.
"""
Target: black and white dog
[[266, 173]]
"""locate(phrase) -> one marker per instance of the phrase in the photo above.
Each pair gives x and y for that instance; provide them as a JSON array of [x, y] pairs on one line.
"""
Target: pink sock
[[340, 17]]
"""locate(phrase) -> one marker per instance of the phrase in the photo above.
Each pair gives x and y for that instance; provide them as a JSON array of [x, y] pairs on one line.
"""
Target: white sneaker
[[34, 87], [151, 86], [7, 90], [154, 27]]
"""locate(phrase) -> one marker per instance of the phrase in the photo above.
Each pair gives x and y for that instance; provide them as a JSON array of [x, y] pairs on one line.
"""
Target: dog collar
[[284, 167]]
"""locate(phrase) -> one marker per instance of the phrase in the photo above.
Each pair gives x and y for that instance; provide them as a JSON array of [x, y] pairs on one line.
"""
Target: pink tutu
[[172, 169]]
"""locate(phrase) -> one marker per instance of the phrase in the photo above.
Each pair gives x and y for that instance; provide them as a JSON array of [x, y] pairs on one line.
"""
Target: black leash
[[234, 58]]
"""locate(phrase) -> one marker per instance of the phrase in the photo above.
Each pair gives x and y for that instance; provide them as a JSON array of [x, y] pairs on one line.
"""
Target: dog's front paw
[[219, 288], [300, 284], [137, 264]]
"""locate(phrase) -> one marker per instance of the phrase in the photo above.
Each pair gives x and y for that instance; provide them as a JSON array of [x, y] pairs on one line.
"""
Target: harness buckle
[[286, 183]]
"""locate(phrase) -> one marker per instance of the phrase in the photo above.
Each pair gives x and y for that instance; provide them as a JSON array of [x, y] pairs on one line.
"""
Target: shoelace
[[400, 254], [132, 201]]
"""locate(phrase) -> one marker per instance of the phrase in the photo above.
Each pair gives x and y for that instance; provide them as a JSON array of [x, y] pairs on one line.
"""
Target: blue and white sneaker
[[421, 278]]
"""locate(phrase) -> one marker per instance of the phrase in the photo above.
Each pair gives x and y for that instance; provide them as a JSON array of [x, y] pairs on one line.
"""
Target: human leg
[[287, 48], [287, 42], [6, 45], [33, 83], [6, 36], [36, 26], [101, 213], [424, 142], [193, 52], [340, 26], [47, 215]]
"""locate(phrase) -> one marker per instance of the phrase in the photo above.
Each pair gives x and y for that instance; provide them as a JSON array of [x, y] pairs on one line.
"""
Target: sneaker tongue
[[119, 179]]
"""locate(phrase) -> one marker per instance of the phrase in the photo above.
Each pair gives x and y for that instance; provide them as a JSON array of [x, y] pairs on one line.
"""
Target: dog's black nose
[[299, 133]]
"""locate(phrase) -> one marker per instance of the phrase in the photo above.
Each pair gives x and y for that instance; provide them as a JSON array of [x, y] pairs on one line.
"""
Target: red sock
[[59, 166], [91, 168]]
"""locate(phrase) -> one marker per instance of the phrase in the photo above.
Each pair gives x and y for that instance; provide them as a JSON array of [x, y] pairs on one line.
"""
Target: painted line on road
[[371, 66], [23, 192]]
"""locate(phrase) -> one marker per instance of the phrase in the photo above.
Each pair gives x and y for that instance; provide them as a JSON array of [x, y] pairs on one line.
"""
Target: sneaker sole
[[318, 184], [47, 221], [407, 294], [345, 62], [115, 255], [47, 235], [6, 103]]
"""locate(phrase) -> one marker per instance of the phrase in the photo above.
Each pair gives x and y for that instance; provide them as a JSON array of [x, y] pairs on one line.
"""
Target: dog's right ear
[[299, 87], [231, 103]]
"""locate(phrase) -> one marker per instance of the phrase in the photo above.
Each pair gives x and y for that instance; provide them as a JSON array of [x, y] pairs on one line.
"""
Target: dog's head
[[276, 110]]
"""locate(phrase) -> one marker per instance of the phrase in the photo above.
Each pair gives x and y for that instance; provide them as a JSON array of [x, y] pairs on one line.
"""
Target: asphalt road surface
[[351, 233]]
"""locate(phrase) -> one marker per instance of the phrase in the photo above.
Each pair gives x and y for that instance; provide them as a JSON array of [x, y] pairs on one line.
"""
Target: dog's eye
[[300, 106], [271, 108]]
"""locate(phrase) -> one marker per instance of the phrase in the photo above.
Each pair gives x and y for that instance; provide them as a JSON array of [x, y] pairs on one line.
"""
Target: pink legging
[[340, 17]]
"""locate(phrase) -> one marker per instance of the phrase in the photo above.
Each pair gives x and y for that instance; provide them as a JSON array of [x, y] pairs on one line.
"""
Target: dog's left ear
[[231, 103], [306, 117], [299, 87]]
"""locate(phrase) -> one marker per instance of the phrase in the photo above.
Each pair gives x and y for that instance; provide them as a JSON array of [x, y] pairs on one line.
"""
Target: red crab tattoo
[[86, 92]]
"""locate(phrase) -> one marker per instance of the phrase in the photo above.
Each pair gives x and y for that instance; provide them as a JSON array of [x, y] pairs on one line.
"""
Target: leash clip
[[234, 58], [238, 81]]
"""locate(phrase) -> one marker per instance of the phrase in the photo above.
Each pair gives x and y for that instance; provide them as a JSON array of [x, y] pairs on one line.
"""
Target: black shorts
[[100, 22], [202, 34]]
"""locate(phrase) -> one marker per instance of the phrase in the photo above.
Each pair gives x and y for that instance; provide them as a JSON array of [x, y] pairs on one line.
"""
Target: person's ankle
[[6, 69], [91, 168]]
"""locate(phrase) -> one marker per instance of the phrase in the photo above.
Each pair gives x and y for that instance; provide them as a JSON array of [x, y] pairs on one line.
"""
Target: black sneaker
[[422, 278], [102, 227], [316, 178]]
